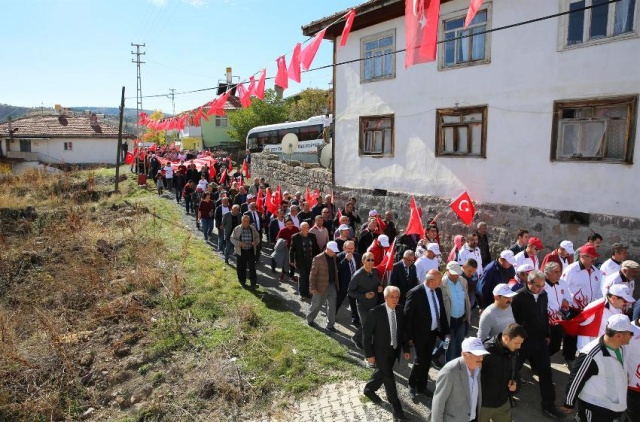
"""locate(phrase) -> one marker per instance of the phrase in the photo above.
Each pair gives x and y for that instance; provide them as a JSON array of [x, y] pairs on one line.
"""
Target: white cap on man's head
[[333, 246], [474, 345], [508, 256], [621, 323], [384, 240], [503, 289], [454, 268], [344, 227], [567, 245], [525, 268], [434, 247], [622, 291]]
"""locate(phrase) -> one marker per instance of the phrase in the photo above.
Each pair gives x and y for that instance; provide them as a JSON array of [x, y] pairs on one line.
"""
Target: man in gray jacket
[[458, 395], [229, 222], [364, 288]]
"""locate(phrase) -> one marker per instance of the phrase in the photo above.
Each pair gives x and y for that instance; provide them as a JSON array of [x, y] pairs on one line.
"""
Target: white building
[[64, 139], [540, 115]]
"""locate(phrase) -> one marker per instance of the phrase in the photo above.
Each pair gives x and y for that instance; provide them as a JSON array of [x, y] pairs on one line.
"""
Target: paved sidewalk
[[344, 401]]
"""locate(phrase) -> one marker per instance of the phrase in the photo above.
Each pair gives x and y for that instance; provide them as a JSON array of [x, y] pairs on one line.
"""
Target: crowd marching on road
[[405, 301]]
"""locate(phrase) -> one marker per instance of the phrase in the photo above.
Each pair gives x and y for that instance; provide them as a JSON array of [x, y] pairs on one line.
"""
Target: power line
[[487, 31]]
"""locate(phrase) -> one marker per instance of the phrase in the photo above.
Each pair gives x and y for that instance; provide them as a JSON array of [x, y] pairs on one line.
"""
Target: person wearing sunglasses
[[364, 288]]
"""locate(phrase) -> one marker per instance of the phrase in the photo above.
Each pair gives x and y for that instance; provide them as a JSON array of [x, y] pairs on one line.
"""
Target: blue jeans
[[228, 249], [457, 331], [207, 227]]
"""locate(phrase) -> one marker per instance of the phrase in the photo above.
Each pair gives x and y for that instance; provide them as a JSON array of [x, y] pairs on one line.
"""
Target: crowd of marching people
[[405, 299]]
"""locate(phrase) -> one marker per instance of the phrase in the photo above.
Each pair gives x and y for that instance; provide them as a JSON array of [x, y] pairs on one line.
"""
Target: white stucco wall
[[84, 150], [526, 75]]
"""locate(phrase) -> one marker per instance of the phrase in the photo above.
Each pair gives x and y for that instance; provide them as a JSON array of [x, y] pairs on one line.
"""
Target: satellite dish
[[325, 156], [290, 143]]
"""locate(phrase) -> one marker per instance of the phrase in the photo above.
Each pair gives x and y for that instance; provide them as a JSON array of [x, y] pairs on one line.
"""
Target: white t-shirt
[[168, 172], [424, 264]]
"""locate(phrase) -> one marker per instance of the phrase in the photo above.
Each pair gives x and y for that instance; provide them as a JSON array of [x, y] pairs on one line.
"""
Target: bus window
[[283, 132], [310, 133]]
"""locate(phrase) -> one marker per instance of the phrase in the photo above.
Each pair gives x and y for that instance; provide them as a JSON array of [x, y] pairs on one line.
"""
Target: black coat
[[296, 251], [377, 334], [399, 279], [418, 316], [530, 314], [253, 222], [498, 367], [344, 272]]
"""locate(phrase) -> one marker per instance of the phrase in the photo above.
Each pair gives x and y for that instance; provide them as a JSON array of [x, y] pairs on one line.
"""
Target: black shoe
[[355, 322], [373, 397], [357, 343], [311, 324], [398, 414], [426, 392], [553, 413], [413, 393]]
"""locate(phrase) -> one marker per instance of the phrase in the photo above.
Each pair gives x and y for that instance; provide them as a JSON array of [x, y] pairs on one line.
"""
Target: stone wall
[[503, 220]]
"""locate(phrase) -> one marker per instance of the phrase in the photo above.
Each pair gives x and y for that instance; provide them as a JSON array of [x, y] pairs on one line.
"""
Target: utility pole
[[173, 99], [119, 149], [137, 61]]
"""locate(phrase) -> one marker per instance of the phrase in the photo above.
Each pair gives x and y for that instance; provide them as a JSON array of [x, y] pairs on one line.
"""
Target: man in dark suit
[[275, 224], [426, 320], [349, 262], [384, 337], [257, 221], [303, 248], [404, 275]]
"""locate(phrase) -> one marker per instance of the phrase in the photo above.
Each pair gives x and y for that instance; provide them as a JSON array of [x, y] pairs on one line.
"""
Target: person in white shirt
[[168, 175], [558, 300], [627, 274], [530, 254], [583, 278], [429, 261], [497, 316], [326, 127], [471, 250], [632, 362], [619, 254]]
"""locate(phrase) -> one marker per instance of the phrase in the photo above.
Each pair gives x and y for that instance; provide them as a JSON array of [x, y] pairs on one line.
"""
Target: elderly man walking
[[245, 239], [364, 287], [324, 285]]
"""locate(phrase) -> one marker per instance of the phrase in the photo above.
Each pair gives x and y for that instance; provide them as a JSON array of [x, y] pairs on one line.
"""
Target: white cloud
[[159, 3], [195, 3]]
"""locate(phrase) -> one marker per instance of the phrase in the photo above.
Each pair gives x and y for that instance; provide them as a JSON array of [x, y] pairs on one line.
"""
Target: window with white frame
[[68, 146], [222, 121], [379, 59], [462, 132], [604, 20], [464, 47], [594, 130], [376, 136]]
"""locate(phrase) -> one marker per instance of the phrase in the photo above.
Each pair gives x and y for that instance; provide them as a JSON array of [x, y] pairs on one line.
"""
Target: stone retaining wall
[[503, 220]]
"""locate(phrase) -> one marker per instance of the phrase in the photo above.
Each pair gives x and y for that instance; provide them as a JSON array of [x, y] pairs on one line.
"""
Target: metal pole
[[119, 141]]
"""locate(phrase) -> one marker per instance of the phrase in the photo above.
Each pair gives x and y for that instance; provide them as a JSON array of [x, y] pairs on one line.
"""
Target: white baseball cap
[[621, 323], [384, 240], [333, 246], [373, 213], [622, 291], [503, 289], [525, 268], [433, 247], [567, 245], [474, 345], [344, 227], [454, 268], [507, 255]]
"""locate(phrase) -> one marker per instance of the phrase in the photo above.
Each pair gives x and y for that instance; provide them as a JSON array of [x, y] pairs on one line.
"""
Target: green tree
[[268, 111], [308, 103], [155, 136]]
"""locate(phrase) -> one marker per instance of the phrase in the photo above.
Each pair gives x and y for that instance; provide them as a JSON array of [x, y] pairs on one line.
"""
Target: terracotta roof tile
[[52, 126]]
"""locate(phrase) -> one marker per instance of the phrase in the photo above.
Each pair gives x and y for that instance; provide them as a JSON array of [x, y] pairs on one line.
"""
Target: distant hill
[[15, 112]]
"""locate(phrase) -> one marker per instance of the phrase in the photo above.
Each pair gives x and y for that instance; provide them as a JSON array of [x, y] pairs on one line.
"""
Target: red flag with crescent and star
[[347, 27], [415, 222], [464, 208], [260, 201], [421, 31], [386, 266], [471, 13]]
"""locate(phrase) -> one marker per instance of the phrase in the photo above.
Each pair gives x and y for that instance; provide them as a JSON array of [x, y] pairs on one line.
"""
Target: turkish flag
[[575, 327], [245, 168], [415, 222], [421, 31], [260, 201], [463, 207], [471, 13], [347, 27], [381, 224], [128, 159], [387, 262], [144, 119], [212, 172], [223, 177], [278, 196], [309, 52], [245, 97], [294, 64], [311, 200], [260, 87], [198, 116], [271, 205], [252, 85], [282, 79]]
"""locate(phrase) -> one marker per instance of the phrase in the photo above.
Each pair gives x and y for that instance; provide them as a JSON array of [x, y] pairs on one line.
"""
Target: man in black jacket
[[530, 310], [404, 275], [499, 373], [426, 320], [349, 262], [384, 338], [303, 248]]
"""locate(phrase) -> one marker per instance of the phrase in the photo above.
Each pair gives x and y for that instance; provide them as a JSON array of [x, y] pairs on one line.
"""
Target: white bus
[[269, 137]]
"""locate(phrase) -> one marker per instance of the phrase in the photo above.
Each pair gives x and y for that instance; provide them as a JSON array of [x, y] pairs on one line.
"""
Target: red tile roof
[[53, 126]]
